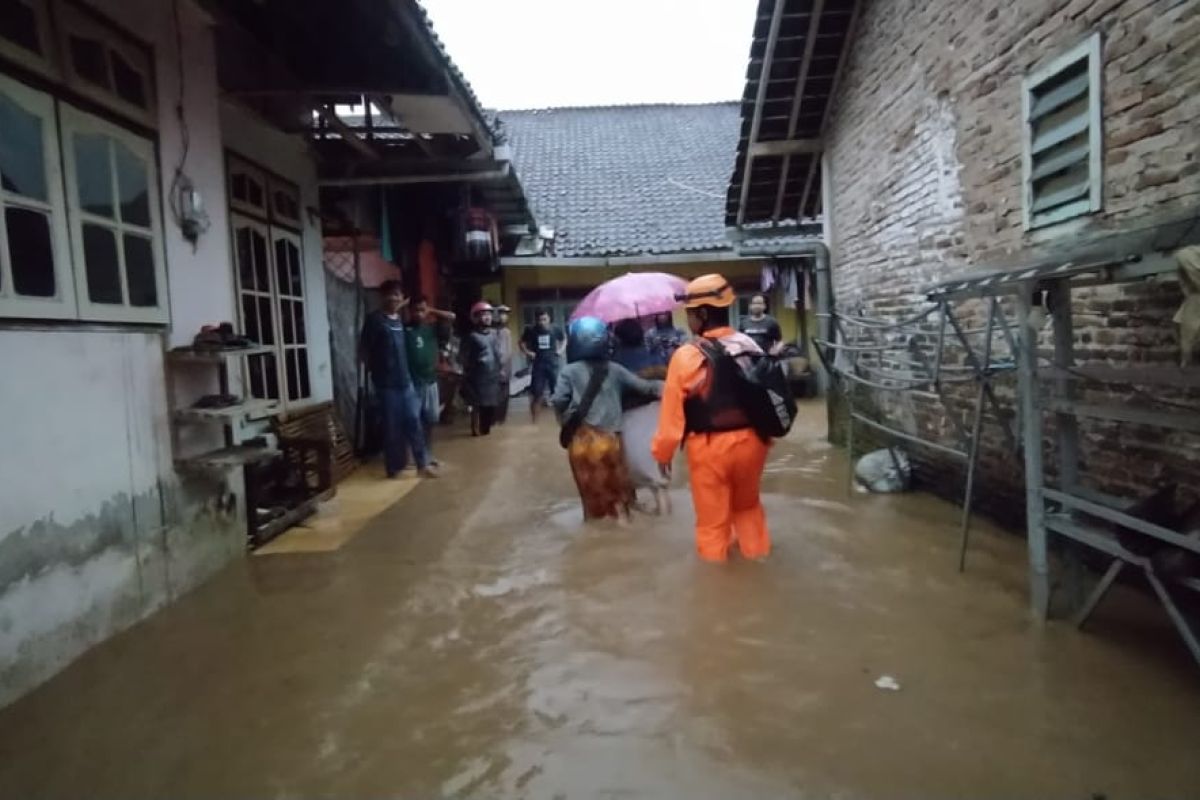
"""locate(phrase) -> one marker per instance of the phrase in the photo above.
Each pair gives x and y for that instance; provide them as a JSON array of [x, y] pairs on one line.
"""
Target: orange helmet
[[708, 290]]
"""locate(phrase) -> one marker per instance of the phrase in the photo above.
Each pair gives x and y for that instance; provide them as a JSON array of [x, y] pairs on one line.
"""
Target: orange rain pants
[[726, 467]]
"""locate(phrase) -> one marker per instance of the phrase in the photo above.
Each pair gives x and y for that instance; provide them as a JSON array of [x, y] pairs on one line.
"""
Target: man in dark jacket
[[383, 348], [481, 369]]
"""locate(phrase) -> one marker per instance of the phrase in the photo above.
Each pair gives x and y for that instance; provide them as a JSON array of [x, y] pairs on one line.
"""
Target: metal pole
[[973, 445], [1031, 425]]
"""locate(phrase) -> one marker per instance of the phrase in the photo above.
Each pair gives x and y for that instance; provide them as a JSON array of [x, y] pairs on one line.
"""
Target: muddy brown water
[[477, 640]]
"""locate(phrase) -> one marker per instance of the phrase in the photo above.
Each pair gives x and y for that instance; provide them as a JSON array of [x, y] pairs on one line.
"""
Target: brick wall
[[925, 149]]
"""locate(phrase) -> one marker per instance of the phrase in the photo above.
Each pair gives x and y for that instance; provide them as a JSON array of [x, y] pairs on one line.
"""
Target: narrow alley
[[477, 640]]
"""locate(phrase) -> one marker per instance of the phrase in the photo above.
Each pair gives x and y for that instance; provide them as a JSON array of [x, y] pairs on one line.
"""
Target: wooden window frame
[[1090, 50], [71, 121], [71, 17], [275, 297], [63, 305], [46, 64]]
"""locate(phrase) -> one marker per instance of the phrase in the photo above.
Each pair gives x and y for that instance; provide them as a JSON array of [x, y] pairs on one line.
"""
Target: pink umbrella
[[634, 294]]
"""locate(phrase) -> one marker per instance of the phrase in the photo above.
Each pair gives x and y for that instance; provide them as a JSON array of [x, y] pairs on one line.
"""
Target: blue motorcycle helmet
[[587, 339]]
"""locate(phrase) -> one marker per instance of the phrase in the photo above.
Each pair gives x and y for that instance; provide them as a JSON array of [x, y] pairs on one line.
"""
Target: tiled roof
[[627, 180]]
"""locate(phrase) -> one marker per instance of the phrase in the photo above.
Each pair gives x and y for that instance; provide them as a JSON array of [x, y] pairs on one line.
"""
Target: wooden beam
[[810, 41], [385, 103], [785, 147], [348, 134], [760, 98]]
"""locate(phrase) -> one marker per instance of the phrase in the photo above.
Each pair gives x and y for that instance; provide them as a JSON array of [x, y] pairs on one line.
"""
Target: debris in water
[[887, 682]]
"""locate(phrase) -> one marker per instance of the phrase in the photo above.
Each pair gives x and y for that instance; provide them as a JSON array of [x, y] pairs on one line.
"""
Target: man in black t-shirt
[[542, 344], [761, 326]]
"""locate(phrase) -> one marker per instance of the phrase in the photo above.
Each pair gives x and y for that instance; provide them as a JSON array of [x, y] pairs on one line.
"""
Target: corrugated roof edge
[[615, 107], [463, 84]]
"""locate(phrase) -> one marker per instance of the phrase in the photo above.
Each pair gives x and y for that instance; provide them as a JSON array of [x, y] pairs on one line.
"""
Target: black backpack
[[761, 388]]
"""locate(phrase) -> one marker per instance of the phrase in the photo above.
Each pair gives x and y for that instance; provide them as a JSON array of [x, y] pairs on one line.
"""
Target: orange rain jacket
[[725, 467]]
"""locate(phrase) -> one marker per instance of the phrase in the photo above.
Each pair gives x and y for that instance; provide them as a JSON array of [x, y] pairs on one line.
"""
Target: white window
[[25, 34], [116, 226], [80, 222], [285, 203], [270, 282], [247, 188], [35, 262], [105, 65], [1061, 108]]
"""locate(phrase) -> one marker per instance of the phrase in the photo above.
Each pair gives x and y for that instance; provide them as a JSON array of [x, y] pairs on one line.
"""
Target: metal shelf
[[225, 457], [190, 356], [250, 408], [1138, 415], [1180, 377]]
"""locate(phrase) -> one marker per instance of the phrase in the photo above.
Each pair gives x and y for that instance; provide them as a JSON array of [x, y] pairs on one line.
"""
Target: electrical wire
[[175, 202]]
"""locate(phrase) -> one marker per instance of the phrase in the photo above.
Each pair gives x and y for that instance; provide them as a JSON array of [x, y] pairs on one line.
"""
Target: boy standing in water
[[504, 349], [422, 344], [543, 345], [761, 326]]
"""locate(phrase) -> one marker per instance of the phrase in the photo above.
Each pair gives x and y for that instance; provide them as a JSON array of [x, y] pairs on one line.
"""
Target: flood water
[[478, 640]]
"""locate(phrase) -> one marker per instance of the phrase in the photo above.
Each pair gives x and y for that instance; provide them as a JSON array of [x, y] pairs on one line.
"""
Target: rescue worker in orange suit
[[725, 455]]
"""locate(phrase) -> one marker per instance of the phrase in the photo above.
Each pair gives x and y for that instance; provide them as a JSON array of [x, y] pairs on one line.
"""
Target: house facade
[[1014, 134], [626, 189], [936, 140], [160, 168]]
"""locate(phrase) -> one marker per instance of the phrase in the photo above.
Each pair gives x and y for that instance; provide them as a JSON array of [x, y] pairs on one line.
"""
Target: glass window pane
[[103, 270], [254, 192], [266, 321], [238, 186], [282, 271], [139, 271], [294, 267], [293, 375], [250, 318], [258, 245], [298, 309], [258, 375], [287, 320], [22, 164], [133, 186], [305, 385], [128, 83], [31, 252], [19, 25], [93, 174], [90, 63], [244, 258], [272, 376]]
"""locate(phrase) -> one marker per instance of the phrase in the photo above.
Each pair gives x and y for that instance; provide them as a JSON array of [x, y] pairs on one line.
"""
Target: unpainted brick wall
[[925, 160]]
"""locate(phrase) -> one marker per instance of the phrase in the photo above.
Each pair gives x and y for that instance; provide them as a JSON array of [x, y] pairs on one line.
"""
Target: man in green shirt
[[422, 345]]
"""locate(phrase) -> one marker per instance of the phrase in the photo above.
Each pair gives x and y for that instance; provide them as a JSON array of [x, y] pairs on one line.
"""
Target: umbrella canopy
[[634, 294]]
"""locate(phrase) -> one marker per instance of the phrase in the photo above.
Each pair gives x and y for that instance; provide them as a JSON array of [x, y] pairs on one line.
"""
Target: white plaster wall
[[288, 156], [96, 527]]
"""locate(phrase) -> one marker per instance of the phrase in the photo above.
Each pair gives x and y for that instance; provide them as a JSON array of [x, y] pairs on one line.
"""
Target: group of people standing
[[399, 345], [630, 396]]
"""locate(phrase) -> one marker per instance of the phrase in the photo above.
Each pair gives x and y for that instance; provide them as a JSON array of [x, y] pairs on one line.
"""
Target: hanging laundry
[[791, 288], [768, 277]]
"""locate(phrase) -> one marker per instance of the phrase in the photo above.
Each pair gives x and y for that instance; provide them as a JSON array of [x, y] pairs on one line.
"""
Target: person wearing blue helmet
[[587, 398]]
